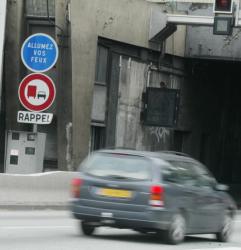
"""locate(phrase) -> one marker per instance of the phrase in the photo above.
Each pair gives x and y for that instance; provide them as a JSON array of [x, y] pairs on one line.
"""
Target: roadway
[[49, 230]]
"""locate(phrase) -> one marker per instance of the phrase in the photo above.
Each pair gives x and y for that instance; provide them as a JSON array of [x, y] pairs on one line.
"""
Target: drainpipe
[[68, 155]]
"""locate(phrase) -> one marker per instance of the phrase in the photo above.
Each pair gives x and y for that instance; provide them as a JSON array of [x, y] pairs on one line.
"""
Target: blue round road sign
[[39, 52]]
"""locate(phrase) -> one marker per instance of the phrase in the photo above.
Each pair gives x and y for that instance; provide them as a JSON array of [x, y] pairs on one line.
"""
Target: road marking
[[35, 227], [218, 248]]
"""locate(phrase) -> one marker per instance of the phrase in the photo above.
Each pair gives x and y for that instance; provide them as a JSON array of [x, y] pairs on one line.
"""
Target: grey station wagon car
[[163, 192]]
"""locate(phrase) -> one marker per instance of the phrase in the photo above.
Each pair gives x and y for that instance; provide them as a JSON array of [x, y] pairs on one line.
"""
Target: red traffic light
[[223, 6]]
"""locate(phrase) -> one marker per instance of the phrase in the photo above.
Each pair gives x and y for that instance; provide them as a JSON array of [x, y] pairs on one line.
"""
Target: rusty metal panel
[[161, 107]]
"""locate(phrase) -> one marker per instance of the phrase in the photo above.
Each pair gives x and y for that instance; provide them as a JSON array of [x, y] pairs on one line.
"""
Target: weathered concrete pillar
[[84, 29], [13, 67], [64, 91]]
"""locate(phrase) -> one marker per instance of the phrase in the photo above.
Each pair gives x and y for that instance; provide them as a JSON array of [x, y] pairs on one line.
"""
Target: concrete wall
[[126, 21], [175, 44]]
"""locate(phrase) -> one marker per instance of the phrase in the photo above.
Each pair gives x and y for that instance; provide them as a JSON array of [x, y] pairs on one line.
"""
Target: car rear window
[[117, 166]]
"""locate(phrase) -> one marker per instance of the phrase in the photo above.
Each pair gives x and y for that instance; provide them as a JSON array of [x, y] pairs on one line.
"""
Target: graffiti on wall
[[160, 133]]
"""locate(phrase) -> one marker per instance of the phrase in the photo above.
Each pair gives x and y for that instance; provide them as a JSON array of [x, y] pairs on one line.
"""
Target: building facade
[[108, 63]]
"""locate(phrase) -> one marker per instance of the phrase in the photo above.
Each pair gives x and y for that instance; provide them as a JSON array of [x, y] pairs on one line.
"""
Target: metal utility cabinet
[[24, 152]]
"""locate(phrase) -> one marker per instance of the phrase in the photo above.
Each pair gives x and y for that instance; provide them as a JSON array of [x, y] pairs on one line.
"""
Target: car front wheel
[[86, 228], [226, 229], [177, 229]]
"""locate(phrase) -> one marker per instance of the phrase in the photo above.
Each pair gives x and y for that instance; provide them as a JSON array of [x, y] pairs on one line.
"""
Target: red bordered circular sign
[[36, 92]]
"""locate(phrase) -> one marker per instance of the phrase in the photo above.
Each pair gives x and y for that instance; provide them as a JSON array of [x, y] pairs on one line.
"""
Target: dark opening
[[31, 137], [213, 110], [97, 137], [15, 136], [179, 140], [29, 151], [13, 159]]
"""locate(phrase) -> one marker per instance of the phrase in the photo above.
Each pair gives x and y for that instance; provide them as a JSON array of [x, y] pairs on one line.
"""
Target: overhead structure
[[226, 16]]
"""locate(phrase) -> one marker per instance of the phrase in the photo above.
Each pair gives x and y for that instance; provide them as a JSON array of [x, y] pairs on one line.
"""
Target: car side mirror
[[221, 187]]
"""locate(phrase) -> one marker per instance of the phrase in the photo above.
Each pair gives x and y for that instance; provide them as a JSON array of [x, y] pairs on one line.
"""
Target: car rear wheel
[[226, 229], [177, 229], [86, 228]]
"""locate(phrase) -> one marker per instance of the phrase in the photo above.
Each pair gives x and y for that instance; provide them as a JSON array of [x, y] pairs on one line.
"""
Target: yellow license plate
[[115, 193]]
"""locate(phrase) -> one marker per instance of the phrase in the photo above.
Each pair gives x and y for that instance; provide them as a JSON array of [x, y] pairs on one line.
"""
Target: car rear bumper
[[150, 219]]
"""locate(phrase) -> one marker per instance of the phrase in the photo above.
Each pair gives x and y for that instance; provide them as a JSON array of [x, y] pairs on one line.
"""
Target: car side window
[[170, 174], [186, 173], [205, 179]]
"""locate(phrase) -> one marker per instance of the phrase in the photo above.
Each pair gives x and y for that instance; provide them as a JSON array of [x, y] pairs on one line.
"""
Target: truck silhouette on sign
[[32, 92]]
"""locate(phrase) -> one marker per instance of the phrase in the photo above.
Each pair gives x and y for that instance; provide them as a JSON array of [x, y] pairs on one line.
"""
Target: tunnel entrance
[[215, 90]]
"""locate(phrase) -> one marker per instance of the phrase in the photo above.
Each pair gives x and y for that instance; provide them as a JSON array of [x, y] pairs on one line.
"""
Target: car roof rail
[[174, 152]]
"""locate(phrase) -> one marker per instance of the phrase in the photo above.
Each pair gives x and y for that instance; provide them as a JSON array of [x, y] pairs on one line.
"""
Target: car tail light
[[157, 196], [75, 187]]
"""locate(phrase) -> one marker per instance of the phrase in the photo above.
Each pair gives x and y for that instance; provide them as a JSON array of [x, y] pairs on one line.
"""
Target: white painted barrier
[[43, 190], [49, 189]]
